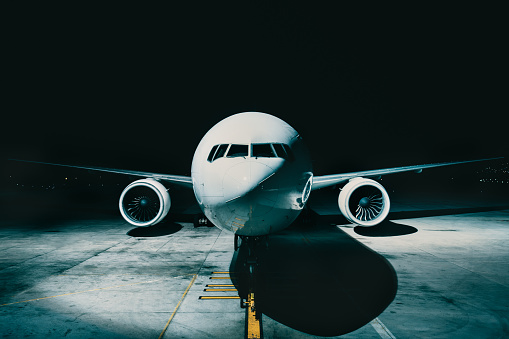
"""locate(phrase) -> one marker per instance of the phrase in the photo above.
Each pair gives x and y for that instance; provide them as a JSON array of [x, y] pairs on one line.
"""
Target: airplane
[[251, 175]]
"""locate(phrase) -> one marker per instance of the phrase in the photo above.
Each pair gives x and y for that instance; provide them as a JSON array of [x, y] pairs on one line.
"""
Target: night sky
[[366, 87]]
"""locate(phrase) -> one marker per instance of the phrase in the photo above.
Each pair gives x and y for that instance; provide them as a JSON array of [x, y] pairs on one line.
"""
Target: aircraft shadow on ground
[[446, 211], [317, 280], [386, 228], [390, 229], [157, 230]]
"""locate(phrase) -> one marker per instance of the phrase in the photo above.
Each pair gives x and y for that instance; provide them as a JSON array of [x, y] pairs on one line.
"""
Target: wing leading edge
[[176, 179], [334, 179]]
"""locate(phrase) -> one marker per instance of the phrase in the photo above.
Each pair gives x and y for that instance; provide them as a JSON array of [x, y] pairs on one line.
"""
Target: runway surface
[[421, 275]]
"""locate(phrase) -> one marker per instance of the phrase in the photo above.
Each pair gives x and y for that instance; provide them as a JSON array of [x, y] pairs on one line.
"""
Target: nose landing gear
[[201, 220], [249, 268]]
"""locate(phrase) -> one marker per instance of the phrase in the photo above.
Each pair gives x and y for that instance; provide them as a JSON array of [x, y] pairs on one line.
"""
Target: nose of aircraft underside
[[250, 194], [243, 178]]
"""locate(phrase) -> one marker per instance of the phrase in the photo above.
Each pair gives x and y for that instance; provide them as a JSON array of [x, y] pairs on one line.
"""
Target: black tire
[[201, 220]]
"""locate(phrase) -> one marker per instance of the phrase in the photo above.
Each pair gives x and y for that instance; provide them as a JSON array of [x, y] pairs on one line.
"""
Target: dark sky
[[137, 87]]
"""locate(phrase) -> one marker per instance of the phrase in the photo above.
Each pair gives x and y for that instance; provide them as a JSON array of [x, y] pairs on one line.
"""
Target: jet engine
[[364, 202], [144, 202]]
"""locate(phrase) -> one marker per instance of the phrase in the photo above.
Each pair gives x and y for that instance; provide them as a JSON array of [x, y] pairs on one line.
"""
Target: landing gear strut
[[250, 245], [249, 251]]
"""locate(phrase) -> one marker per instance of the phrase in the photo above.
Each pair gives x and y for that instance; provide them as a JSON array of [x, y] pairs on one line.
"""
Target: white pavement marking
[[79, 292], [382, 330]]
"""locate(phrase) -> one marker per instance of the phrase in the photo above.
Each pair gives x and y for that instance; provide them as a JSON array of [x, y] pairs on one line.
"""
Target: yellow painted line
[[220, 285], [220, 272], [95, 289], [234, 222], [239, 219], [219, 278], [254, 329], [220, 290], [226, 297], [177, 307]]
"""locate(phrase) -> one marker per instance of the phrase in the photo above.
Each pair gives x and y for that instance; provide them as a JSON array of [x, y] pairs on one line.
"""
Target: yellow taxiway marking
[[220, 285], [95, 289], [226, 297], [177, 307], [253, 329], [220, 272], [220, 290]]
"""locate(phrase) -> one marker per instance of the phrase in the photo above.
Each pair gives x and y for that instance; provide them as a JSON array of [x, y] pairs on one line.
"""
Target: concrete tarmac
[[442, 276]]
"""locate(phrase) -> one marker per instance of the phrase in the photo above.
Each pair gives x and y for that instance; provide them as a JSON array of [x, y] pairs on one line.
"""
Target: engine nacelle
[[144, 202], [364, 202]]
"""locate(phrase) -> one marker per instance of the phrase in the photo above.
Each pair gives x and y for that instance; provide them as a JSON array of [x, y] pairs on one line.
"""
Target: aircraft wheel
[[201, 220]]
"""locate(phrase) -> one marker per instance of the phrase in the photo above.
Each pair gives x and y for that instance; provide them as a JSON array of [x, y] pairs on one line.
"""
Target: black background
[[136, 87]]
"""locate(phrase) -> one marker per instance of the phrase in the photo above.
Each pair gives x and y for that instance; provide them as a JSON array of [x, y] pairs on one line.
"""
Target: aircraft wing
[[176, 179], [334, 179]]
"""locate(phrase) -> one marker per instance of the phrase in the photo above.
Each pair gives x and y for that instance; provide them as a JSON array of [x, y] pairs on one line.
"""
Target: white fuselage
[[251, 174]]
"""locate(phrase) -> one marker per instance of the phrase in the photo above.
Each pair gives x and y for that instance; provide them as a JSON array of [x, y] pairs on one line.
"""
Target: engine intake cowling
[[364, 202], [144, 202]]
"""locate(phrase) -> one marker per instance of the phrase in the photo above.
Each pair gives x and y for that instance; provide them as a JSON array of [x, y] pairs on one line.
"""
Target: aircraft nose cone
[[242, 178]]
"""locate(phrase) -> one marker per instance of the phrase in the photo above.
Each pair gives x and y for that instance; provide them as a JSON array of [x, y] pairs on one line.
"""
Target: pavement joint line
[[187, 289], [460, 266], [178, 305], [381, 329], [96, 254], [170, 239], [79, 292]]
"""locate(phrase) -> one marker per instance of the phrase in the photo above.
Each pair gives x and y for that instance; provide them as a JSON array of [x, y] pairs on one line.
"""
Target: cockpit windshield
[[238, 151], [212, 152], [263, 150], [280, 150], [254, 150]]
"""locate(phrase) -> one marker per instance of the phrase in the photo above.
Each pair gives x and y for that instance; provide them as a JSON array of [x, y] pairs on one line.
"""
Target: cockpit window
[[220, 151], [280, 151], [257, 151], [262, 150], [238, 151], [288, 151], [212, 152]]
